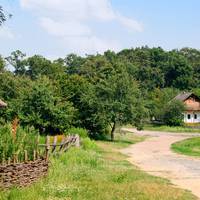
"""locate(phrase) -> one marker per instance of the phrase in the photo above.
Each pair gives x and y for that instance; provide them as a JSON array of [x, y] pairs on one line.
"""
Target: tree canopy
[[96, 92]]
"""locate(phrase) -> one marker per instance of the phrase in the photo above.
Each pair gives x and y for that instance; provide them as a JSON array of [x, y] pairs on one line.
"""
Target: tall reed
[[25, 139]]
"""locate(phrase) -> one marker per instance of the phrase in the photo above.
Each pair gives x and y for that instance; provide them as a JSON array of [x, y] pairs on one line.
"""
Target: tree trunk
[[113, 132]]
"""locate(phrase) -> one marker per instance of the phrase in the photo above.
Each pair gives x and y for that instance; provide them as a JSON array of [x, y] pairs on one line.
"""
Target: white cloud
[[90, 45], [70, 21], [131, 24], [64, 29], [6, 33]]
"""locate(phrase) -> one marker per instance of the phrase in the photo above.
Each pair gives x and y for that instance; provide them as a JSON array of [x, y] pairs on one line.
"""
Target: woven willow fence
[[34, 167]]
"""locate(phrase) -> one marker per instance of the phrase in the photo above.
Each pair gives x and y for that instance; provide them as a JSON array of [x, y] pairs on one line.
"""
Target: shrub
[[88, 144], [83, 133], [140, 126], [173, 113]]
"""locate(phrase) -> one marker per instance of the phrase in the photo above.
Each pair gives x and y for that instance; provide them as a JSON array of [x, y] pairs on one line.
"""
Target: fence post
[[54, 143], [17, 157], [14, 158], [9, 161], [47, 148], [34, 155], [3, 159], [77, 142], [37, 149], [62, 143], [25, 156]]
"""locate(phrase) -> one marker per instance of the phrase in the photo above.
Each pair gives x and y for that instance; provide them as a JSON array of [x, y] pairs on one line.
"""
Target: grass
[[97, 171], [189, 147], [180, 129], [124, 140]]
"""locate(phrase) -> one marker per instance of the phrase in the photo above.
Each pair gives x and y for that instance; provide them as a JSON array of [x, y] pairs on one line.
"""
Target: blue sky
[[55, 28]]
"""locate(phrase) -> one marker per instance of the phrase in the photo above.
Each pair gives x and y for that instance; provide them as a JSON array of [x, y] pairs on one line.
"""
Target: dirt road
[[155, 157]]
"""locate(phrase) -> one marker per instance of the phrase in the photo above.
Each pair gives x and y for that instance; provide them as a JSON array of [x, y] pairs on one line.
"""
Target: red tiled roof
[[183, 96]]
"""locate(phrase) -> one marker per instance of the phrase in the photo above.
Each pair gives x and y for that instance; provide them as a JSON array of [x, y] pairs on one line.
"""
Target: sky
[[55, 28]]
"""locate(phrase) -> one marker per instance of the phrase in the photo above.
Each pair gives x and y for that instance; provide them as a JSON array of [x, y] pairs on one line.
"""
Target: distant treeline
[[96, 92]]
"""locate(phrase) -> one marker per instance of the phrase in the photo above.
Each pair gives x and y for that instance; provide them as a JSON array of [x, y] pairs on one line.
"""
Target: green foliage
[[88, 144], [16, 59], [96, 92], [158, 68], [175, 129], [72, 63], [39, 66], [42, 108], [25, 139], [2, 64], [197, 91], [112, 98], [173, 113], [83, 133], [2, 16], [158, 99]]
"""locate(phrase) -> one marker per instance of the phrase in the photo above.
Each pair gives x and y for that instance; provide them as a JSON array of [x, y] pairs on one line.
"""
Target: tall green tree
[[178, 72], [17, 60], [113, 94], [43, 108]]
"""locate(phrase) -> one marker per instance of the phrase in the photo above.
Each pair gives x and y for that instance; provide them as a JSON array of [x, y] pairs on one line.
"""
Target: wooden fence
[[19, 174], [22, 174], [56, 147], [42, 151]]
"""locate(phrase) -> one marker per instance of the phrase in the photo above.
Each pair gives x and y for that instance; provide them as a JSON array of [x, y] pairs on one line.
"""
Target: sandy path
[[155, 157]]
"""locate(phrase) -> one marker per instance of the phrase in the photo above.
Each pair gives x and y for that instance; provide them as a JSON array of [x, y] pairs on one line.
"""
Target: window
[[195, 116], [189, 116]]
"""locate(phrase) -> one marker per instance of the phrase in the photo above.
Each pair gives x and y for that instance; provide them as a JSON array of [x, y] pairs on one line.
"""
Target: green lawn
[[180, 129], [189, 147], [97, 171]]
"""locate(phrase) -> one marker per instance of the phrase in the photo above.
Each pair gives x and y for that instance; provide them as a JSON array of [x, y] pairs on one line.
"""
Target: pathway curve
[[155, 157]]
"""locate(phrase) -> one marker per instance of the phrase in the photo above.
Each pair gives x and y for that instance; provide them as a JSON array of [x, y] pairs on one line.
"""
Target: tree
[[150, 78], [43, 108], [12, 90], [158, 99], [193, 57], [2, 64], [178, 72], [112, 97], [16, 59], [73, 63], [37, 65], [2, 16], [173, 113], [197, 91]]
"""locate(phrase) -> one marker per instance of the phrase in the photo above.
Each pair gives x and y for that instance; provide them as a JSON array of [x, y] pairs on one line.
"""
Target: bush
[[83, 133], [140, 126], [173, 113], [88, 144]]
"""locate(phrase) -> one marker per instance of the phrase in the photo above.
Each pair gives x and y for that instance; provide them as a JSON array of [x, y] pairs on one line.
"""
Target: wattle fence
[[20, 174]]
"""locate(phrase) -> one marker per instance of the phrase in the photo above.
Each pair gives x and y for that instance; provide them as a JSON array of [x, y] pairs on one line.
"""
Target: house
[[2, 104], [192, 104]]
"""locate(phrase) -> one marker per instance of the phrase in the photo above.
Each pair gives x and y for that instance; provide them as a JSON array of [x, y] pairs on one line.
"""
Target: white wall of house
[[192, 117]]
